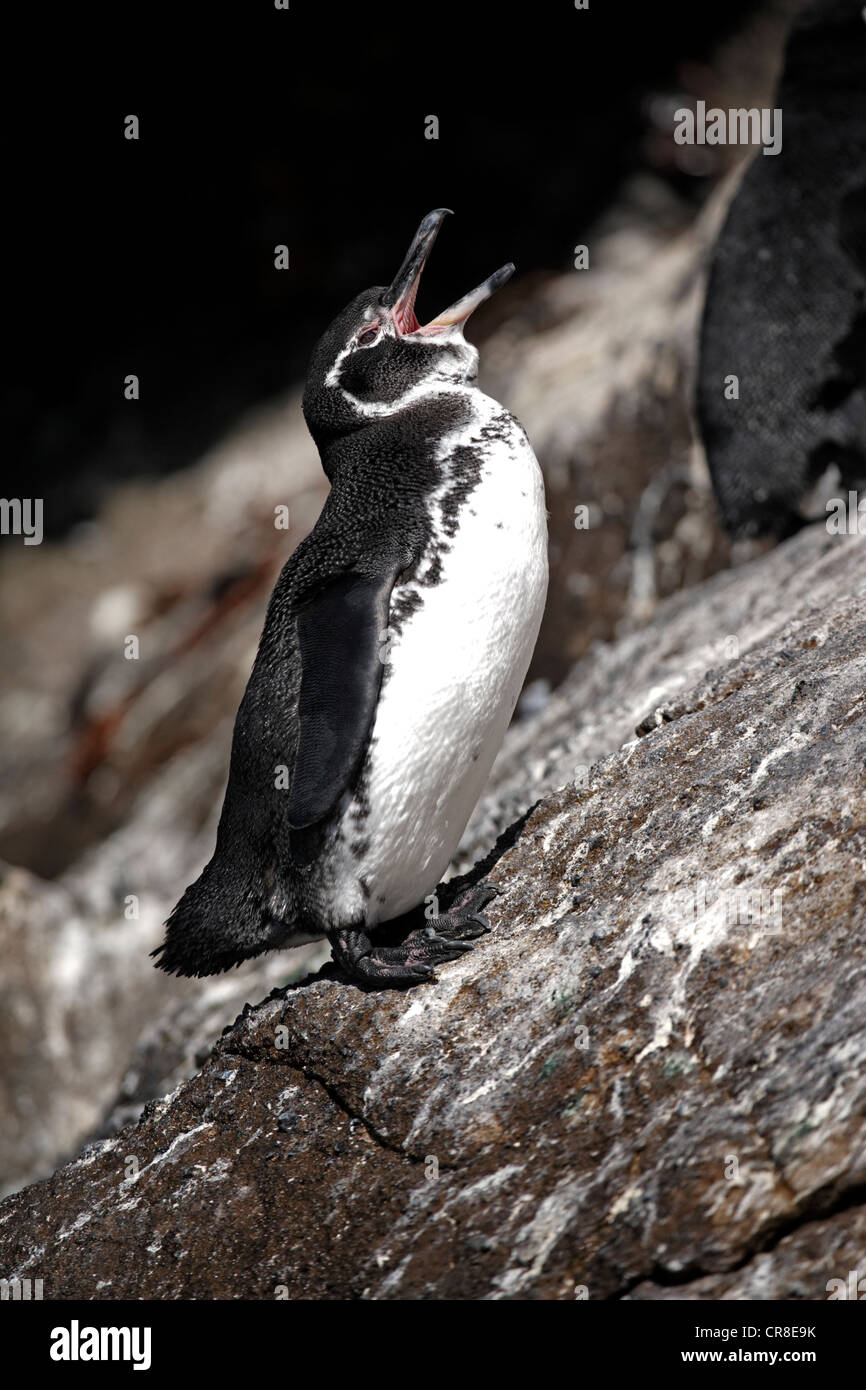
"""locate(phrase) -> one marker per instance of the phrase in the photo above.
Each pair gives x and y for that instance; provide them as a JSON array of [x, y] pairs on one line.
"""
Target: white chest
[[456, 667]]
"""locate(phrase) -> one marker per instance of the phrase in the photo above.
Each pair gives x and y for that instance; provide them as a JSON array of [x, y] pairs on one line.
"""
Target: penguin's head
[[376, 359]]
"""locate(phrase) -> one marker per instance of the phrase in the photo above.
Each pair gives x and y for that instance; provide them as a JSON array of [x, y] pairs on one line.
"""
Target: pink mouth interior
[[404, 314]]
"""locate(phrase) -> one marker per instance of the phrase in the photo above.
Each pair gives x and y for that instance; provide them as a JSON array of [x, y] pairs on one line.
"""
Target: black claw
[[453, 945]]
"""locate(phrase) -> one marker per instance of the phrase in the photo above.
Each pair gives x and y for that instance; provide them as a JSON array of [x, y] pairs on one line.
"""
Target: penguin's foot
[[464, 920], [413, 959], [407, 964]]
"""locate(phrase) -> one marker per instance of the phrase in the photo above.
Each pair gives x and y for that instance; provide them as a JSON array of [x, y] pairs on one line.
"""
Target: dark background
[[303, 127]]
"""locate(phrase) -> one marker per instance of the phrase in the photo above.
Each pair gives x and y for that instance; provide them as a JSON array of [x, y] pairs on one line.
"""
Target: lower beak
[[399, 298], [460, 311]]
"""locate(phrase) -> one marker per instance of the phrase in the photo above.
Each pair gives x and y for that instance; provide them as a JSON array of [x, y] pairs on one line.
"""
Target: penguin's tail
[[221, 921]]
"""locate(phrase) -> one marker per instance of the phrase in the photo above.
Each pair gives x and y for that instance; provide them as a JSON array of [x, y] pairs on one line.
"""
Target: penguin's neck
[[401, 448], [427, 392]]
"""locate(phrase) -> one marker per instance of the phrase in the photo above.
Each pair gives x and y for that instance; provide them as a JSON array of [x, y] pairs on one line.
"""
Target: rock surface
[[78, 986], [649, 1081]]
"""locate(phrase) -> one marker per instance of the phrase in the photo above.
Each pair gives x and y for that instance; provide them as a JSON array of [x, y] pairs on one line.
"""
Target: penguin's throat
[[408, 325], [405, 318]]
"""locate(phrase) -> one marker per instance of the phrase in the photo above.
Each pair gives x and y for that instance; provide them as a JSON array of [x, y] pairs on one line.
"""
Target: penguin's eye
[[367, 337]]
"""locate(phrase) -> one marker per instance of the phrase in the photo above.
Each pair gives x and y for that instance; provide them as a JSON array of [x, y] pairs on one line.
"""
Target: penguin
[[395, 645]]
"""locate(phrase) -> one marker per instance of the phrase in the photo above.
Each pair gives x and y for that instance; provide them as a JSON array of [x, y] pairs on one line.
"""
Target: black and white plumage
[[394, 649]]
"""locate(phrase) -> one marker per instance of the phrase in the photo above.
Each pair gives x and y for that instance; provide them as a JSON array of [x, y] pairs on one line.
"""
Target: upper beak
[[399, 297]]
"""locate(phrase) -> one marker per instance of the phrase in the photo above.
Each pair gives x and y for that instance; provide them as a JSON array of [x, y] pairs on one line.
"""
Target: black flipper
[[340, 634], [307, 710]]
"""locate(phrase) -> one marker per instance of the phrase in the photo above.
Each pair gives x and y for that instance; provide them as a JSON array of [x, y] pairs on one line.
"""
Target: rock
[[784, 317], [647, 1082], [78, 992], [793, 1267], [178, 1041]]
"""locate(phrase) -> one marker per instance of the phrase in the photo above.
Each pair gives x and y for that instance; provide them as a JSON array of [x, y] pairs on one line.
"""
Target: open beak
[[399, 298]]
